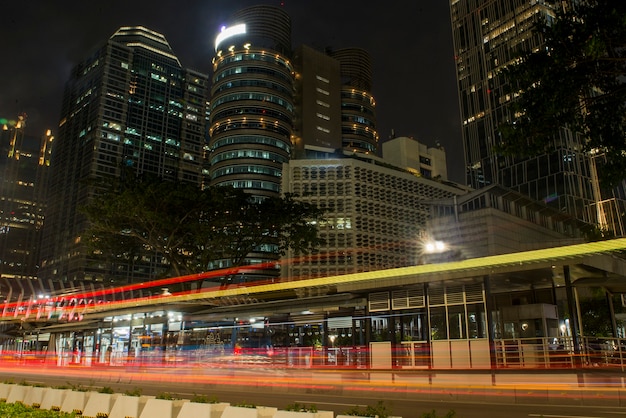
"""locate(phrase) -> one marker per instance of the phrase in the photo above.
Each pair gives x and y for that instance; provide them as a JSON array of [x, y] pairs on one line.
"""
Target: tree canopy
[[190, 228], [576, 80]]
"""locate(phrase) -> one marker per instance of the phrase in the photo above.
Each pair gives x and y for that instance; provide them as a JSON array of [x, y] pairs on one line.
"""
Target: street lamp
[[432, 251], [432, 247]]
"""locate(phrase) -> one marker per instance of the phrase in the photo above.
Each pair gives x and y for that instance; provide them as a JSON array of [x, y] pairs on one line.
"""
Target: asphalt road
[[408, 395]]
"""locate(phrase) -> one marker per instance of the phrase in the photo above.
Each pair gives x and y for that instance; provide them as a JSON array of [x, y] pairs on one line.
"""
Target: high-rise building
[[358, 113], [270, 104], [318, 103], [252, 101], [129, 104], [487, 34], [23, 162], [335, 108]]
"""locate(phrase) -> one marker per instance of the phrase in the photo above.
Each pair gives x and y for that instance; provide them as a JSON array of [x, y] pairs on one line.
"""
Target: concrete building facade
[[376, 213], [429, 162]]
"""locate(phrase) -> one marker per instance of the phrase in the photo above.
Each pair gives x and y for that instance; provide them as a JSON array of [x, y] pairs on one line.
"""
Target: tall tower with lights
[[486, 36], [358, 107], [129, 104], [252, 101], [23, 168]]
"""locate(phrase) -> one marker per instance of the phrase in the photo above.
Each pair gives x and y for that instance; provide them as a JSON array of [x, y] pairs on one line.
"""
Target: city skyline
[[410, 46]]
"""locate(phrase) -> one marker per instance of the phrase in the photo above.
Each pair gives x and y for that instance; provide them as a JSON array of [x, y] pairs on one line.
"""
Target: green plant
[[245, 405], [167, 396], [203, 399], [106, 389], [296, 407], [433, 414], [379, 410], [133, 392], [19, 410]]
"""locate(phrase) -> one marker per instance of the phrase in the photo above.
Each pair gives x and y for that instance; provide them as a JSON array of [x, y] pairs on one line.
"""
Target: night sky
[[409, 43]]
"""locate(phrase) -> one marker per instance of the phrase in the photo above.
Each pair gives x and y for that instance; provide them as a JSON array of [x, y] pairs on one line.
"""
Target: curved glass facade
[[252, 105], [358, 113]]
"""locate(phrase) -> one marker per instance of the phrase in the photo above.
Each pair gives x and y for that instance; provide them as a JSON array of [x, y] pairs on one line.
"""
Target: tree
[[189, 228], [576, 80]]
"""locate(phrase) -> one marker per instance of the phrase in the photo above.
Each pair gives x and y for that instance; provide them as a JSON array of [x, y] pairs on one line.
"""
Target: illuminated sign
[[228, 32]]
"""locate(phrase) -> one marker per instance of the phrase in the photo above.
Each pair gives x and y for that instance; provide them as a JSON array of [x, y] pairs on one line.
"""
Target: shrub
[[245, 405], [296, 407], [106, 389], [20, 410], [380, 410], [168, 396], [203, 399], [433, 414], [134, 392]]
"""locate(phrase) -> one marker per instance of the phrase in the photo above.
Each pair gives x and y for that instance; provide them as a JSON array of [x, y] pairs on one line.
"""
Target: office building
[[334, 105], [23, 163], [270, 104], [252, 101], [494, 220], [318, 105], [487, 34], [429, 162], [376, 213], [129, 104], [358, 114]]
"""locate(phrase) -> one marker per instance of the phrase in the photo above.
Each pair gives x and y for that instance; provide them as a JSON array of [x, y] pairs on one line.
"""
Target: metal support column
[[573, 309]]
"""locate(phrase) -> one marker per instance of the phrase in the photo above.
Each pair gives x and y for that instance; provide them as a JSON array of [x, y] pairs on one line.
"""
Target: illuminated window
[[320, 78]]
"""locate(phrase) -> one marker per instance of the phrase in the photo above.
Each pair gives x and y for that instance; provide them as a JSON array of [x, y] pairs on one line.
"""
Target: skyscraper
[[252, 101], [23, 162], [335, 108], [270, 105], [129, 104], [358, 107], [487, 34]]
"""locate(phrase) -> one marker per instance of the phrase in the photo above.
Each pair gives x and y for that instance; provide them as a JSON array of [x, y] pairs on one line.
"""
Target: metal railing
[[549, 352]]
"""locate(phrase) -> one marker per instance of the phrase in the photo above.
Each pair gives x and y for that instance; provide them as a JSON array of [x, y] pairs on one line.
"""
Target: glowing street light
[[435, 247]]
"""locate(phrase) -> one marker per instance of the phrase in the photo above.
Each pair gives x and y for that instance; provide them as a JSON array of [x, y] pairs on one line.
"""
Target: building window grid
[[453, 308]]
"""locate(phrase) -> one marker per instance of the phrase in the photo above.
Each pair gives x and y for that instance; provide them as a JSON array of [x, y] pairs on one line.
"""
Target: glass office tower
[[487, 34], [23, 164], [358, 107], [252, 101], [252, 113], [129, 104]]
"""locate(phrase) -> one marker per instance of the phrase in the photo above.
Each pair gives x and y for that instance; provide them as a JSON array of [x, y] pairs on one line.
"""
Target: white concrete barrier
[[35, 396], [238, 412], [297, 414], [53, 399], [162, 408], [18, 393], [74, 401], [266, 411], [202, 410], [128, 406], [99, 404], [5, 389], [294, 414]]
